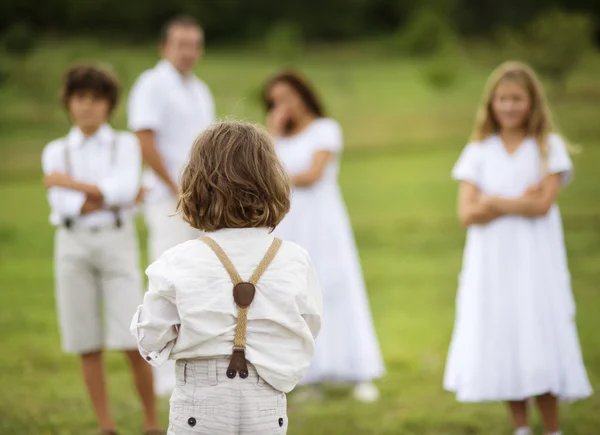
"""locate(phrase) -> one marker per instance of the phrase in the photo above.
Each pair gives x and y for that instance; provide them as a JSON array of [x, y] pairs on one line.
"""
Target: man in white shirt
[[168, 108]]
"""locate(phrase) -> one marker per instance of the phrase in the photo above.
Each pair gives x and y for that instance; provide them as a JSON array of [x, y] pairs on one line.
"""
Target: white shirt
[[177, 109], [92, 162], [190, 287]]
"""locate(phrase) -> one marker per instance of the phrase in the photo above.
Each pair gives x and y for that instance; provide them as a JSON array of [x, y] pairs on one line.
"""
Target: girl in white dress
[[309, 145], [515, 336]]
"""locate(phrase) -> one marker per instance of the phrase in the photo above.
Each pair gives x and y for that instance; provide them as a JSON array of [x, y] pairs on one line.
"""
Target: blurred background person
[[168, 107], [310, 146], [515, 337], [93, 179]]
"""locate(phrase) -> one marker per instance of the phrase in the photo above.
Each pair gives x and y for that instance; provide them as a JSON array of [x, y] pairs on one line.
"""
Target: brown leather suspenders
[[243, 295]]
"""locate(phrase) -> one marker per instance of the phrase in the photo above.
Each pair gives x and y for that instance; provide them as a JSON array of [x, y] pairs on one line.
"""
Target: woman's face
[[511, 105], [285, 98]]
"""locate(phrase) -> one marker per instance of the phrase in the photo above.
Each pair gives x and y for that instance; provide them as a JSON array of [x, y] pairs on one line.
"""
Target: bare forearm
[[91, 205], [305, 179], [90, 190], [479, 214], [152, 158], [529, 206]]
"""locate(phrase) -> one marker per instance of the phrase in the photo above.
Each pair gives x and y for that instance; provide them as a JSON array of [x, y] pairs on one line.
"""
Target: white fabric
[[166, 228], [207, 402], [515, 335], [91, 162], [177, 109], [190, 287], [347, 347], [98, 287]]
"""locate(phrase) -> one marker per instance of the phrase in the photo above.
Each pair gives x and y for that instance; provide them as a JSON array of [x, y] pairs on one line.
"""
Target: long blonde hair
[[539, 124]]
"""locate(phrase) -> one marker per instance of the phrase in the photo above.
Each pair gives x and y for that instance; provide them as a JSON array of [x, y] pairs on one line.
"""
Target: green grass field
[[402, 139]]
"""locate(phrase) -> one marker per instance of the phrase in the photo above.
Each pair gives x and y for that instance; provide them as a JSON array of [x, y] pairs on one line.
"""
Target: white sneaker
[[523, 431], [366, 392]]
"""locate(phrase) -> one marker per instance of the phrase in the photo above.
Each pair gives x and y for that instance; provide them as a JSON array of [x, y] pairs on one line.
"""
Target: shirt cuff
[[144, 124], [68, 202], [154, 358], [111, 192]]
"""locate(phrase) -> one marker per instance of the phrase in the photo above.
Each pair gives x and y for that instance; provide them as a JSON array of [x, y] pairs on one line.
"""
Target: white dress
[[515, 334], [347, 349]]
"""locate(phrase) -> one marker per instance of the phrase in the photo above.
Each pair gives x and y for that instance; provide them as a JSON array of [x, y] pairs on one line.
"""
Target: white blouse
[[189, 311]]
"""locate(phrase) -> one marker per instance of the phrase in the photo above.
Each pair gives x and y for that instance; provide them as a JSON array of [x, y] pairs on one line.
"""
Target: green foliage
[[19, 40], [554, 43], [442, 70], [558, 41], [427, 33], [284, 41]]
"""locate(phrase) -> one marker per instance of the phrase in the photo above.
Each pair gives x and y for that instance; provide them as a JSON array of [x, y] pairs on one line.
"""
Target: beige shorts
[[98, 287], [207, 402]]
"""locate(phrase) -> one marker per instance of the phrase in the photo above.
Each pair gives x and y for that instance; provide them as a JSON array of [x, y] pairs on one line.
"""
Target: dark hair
[[179, 20], [234, 179], [300, 85], [99, 81]]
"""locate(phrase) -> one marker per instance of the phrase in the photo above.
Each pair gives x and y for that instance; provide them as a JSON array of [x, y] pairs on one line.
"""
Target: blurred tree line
[[240, 20]]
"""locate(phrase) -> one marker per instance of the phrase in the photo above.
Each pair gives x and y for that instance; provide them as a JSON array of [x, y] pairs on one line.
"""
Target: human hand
[[277, 119], [533, 190], [174, 188], [141, 195], [488, 201]]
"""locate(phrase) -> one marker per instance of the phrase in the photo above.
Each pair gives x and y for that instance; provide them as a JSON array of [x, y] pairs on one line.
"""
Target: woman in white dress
[[515, 336], [309, 146]]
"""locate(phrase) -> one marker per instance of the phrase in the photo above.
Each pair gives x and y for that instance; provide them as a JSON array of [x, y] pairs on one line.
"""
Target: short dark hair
[[234, 179], [100, 81], [179, 20], [300, 85]]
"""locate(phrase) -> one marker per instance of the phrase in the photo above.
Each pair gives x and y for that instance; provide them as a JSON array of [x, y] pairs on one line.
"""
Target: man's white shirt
[[177, 109]]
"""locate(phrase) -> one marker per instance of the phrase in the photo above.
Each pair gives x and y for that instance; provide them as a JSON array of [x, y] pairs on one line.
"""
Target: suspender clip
[[238, 363]]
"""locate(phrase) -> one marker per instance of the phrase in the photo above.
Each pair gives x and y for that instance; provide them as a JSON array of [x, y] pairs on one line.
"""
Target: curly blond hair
[[234, 179]]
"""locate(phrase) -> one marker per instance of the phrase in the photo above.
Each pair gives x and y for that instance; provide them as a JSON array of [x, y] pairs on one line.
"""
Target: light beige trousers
[[207, 402]]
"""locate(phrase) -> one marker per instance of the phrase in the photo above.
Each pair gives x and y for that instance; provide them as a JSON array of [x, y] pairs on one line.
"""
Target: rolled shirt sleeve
[[156, 322]]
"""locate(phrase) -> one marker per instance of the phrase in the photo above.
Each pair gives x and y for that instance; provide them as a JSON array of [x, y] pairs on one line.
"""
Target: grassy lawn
[[402, 139]]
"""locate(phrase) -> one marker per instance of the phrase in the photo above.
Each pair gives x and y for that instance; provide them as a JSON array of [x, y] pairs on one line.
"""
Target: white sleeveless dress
[[515, 335], [347, 349]]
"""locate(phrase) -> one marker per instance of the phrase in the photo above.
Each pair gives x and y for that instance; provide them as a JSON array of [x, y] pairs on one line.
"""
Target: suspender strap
[[113, 160], [243, 295]]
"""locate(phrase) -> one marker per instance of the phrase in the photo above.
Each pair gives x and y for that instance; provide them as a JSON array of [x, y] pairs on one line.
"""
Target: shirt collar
[[168, 68], [237, 233], [104, 134]]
